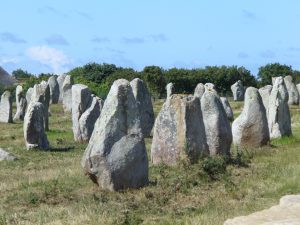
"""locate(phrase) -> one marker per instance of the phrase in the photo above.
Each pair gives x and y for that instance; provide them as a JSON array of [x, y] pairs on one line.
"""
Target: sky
[[54, 36]]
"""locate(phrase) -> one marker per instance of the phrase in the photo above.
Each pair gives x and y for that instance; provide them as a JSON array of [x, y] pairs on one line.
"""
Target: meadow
[[49, 187]]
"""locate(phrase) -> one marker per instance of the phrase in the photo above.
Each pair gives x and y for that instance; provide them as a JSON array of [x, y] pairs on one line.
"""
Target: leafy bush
[[214, 166]]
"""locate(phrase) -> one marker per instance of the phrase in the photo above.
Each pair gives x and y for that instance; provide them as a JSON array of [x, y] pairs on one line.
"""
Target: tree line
[[99, 77]]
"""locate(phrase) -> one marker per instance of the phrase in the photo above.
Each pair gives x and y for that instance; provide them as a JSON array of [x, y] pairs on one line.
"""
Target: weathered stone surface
[[34, 132], [199, 90], [210, 87], [286, 213], [227, 108], [298, 88], [292, 90], [217, 126], [238, 91], [81, 101], [116, 157], [250, 128], [265, 95], [67, 93], [6, 108], [179, 132], [4, 155], [21, 104], [143, 99], [88, 119], [170, 89], [279, 118], [54, 90], [28, 95], [41, 93], [60, 80]]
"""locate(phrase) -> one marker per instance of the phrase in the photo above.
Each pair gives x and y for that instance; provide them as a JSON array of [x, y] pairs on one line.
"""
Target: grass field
[[50, 188]]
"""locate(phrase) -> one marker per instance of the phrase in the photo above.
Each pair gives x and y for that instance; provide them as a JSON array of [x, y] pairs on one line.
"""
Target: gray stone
[[88, 119], [199, 90], [21, 103], [28, 95], [227, 108], [210, 87], [217, 126], [116, 156], [265, 95], [292, 90], [60, 80], [170, 89], [34, 132], [67, 93], [298, 88], [143, 99], [286, 213], [6, 108], [54, 90], [4, 155], [179, 131], [81, 101], [238, 91], [250, 128], [279, 118], [41, 93]]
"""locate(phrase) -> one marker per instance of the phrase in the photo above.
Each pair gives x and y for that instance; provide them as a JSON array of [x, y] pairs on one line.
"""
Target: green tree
[[265, 73], [21, 74]]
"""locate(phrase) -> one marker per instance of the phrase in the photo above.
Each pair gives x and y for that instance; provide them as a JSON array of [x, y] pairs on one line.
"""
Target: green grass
[[50, 188]]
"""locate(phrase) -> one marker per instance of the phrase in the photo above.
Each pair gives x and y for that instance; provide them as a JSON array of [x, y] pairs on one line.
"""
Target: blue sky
[[55, 36]]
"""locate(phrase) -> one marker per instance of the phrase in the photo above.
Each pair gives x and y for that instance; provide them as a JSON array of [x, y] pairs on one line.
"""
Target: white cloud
[[54, 58]]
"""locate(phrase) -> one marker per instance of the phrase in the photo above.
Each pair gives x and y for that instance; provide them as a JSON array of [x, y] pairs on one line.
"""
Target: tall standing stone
[[21, 104], [199, 90], [265, 95], [227, 108], [116, 156], [67, 93], [28, 95], [88, 119], [279, 118], [41, 93], [143, 99], [238, 91], [6, 108], [34, 132], [170, 89], [210, 87], [54, 90], [217, 126], [250, 129], [292, 90], [60, 80], [81, 101], [179, 132]]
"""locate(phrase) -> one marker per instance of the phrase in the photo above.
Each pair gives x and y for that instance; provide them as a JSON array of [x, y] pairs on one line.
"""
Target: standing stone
[[227, 108], [250, 129], [292, 90], [265, 95], [81, 101], [199, 90], [54, 90], [41, 93], [210, 87], [67, 93], [21, 104], [28, 95], [34, 132], [238, 91], [179, 131], [170, 89], [217, 126], [60, 80], [279, 118], [6, 108], [143, 99], [116, 156], [88, 119], [298, 88]]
